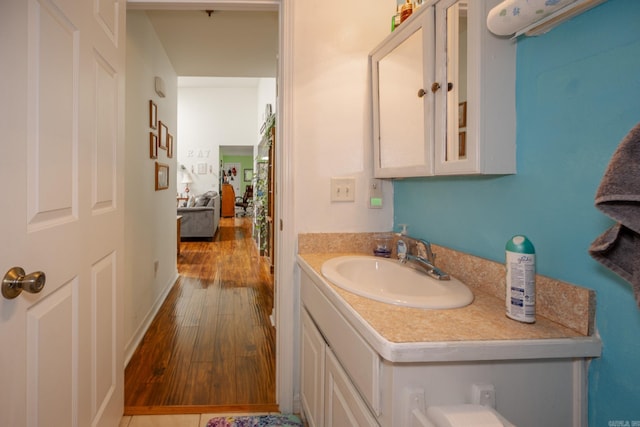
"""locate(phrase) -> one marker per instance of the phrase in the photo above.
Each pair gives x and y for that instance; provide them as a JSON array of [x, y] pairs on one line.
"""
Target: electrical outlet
[[483, 394], [343, 189]]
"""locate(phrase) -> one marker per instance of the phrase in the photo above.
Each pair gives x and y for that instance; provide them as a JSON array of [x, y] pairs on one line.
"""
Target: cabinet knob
[[435, 87], [421, 93]]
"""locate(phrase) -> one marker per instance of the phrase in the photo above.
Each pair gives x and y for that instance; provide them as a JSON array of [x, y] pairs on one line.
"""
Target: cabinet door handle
[[421, 93], [435, 87]]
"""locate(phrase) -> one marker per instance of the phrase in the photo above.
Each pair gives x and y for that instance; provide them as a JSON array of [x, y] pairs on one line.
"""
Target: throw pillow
[[202, 201]]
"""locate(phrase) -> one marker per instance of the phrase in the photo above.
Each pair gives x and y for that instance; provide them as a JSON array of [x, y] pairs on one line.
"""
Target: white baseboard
[[133, 343]]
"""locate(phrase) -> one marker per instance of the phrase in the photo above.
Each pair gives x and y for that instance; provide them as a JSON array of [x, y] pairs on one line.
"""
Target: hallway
[[211, 347]]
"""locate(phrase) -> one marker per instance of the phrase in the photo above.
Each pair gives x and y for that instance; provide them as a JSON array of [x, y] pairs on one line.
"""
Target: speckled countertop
[[410, 334]]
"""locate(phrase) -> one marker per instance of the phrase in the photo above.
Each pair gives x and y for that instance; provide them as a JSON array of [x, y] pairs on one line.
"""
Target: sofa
[[200, 216]]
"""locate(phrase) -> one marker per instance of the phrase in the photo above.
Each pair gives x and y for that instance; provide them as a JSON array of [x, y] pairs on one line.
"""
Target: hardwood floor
[[211, 347]]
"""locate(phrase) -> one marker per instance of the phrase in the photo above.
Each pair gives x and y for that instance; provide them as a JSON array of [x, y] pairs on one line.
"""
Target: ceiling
[[226, 43]]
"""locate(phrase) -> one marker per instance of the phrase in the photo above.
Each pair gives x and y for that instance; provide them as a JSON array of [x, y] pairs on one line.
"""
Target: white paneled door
[[61, 172]]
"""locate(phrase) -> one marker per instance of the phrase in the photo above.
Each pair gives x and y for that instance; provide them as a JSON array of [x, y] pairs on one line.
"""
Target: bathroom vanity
[[369, 363]]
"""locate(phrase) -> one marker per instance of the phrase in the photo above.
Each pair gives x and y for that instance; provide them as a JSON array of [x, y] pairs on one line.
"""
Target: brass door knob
[[16, 281]]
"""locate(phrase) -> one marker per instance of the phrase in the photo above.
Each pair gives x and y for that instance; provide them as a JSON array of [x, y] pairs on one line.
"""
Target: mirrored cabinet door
[[403, 105], [455, 142], [475, 117], [454, 152]]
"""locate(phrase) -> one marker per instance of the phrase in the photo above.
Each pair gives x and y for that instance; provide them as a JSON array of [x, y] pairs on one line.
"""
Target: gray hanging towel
[[618, 196]]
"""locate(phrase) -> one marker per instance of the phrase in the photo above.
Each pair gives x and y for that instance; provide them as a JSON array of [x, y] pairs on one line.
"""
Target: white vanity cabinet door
[[355, 355], [312, 372], [343, 405]]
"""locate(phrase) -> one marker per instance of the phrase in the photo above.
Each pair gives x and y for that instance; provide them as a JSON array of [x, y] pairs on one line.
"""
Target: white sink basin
[[389, 281]]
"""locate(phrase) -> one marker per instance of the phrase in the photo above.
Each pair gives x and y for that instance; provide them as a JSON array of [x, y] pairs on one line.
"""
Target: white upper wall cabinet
[[402, 111], [444, 95]]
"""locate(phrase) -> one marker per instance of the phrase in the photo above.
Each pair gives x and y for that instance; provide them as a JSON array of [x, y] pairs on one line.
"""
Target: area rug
[[255, 421]]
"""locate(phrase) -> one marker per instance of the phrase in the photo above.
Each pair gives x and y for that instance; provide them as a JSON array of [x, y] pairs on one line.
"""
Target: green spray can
[[521, 279]]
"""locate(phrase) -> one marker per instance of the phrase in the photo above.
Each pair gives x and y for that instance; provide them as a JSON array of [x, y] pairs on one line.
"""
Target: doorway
[[237, 166], [212, 55]]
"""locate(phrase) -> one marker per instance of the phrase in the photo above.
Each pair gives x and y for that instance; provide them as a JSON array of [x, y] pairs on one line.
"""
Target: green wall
[[246, 162]]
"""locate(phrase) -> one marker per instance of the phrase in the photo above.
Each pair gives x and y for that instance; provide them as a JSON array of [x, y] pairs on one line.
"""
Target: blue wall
[[578, 94]]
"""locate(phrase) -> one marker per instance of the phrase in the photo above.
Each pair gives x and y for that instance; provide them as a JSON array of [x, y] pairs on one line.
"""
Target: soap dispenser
[[401, 250]]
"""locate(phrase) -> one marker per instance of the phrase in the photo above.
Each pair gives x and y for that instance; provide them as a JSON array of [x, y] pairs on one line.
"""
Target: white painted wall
[[214, 112], [150, 216], [266, 95], [326, 132], [331, 114]]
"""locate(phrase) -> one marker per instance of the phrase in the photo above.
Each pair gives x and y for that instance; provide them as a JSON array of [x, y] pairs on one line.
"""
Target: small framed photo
[[153, 115], [462, 114], [163, 135], [162, 176], [462, 145], [248, 175], [153, 145], [169, 146], [202, 168]]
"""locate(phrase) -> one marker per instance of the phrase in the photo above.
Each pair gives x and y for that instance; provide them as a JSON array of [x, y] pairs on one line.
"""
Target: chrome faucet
[[418, 255]]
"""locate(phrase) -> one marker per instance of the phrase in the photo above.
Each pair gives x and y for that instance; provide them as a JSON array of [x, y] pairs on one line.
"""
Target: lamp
[[186, 180]]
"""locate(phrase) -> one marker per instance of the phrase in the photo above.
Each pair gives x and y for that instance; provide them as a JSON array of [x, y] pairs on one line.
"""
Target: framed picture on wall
[[163, 135], [202, 168], [169, 146], [153, 145], [162, 176], [248, 175], [153, 114]]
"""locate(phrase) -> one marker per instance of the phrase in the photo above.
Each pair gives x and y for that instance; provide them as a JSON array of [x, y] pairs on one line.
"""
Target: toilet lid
[[465, 415]]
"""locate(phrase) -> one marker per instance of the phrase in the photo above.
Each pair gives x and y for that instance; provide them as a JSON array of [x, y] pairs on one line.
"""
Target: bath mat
[[255, 421]]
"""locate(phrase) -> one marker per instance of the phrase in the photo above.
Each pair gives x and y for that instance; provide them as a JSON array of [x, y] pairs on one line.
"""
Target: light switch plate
[[343, 189]]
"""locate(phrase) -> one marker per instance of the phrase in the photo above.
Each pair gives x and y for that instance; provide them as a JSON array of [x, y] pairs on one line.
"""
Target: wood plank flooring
[[211, 347]]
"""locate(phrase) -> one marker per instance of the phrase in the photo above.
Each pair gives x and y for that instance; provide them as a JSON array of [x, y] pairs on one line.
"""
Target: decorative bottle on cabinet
[[406, 11]]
